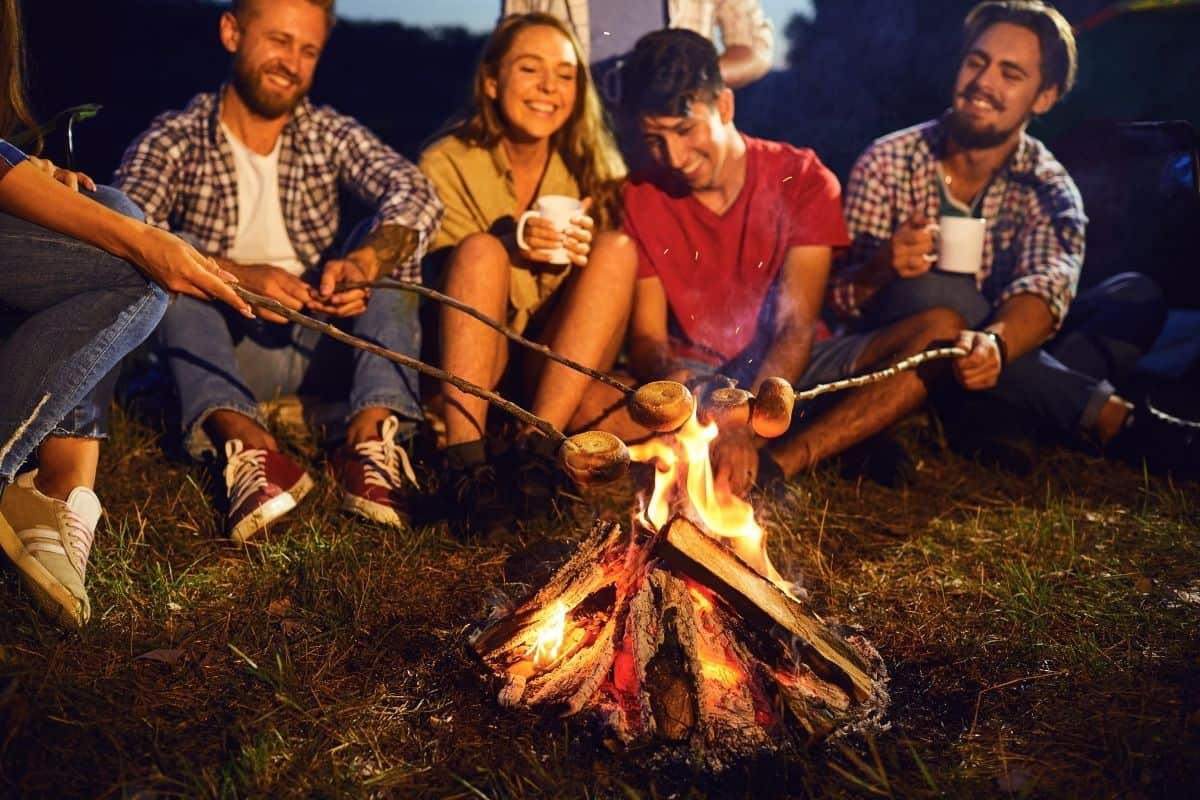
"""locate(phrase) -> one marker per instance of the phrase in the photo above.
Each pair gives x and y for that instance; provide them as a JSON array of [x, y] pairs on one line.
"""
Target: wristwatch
[[1001, 345]]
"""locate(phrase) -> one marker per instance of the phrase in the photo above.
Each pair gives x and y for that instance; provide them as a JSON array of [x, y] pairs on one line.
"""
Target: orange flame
[[684, 483], [549, 637]]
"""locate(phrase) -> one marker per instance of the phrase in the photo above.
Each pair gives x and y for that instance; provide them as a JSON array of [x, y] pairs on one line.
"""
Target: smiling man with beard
[[1032, 367], [251, 174]]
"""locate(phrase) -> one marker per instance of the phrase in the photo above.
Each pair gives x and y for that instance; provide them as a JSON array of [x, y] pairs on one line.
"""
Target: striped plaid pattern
[[181, 172], [1035, 219], [742, 22]]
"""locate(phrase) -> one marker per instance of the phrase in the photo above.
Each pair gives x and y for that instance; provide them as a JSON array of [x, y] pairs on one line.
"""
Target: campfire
[[680, 629]]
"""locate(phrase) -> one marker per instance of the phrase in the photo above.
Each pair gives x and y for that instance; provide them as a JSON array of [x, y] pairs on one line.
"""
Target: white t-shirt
[[262, 237]]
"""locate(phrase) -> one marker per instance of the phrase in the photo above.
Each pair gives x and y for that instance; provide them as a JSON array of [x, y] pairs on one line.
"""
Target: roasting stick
[[661, 406], [770, 414], [589, 457]]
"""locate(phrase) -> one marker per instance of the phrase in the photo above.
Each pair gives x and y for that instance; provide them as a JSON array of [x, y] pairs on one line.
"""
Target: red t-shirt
[[717, 269]]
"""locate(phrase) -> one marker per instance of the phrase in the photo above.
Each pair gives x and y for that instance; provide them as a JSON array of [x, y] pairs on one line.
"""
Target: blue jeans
[[73, 312], [1061, 386], [222, 361]]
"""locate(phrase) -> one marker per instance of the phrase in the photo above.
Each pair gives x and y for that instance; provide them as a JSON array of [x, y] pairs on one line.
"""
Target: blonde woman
[[536, 129]]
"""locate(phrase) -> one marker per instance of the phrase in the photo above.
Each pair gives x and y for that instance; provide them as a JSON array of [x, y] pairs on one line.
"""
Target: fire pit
[[680, 630]]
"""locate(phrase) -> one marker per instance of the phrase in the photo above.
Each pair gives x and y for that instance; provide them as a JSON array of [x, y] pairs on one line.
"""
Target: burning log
[[669, 635]]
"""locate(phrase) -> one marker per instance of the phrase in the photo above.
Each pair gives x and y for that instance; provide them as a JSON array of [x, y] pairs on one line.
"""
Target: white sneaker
[[49, 541]]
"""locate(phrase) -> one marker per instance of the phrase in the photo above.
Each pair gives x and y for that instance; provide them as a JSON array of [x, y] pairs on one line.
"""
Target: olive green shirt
[[475, 184]]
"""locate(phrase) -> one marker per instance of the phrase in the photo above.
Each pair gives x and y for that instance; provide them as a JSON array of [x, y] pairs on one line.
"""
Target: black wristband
[[1001, 345]]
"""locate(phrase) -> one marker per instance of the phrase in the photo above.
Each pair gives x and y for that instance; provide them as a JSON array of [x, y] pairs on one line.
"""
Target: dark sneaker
[[475, 501], [1162, 441], [48, 541], [882, 459], [540, 486], [261, 487], [376, 477]]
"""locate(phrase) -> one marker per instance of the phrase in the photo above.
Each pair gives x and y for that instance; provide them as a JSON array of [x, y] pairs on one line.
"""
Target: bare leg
[[365, 425], [223, 425], [478, 275], [65, 462], [588, 326], [866, 411]]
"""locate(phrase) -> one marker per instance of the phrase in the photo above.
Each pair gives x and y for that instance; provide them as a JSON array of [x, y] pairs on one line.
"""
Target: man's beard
[[249, 86], [971, 138]]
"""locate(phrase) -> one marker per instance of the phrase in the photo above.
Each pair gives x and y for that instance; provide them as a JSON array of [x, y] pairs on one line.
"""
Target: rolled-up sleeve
[[389, 183], [1051, 248], [869, 220]]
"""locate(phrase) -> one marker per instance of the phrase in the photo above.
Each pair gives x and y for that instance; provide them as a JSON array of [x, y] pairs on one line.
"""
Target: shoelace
[[245, 472], [79, 536], [386, 460]]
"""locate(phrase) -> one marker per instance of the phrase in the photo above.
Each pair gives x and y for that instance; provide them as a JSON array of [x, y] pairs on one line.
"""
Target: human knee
[[940, 323], [116, 200]]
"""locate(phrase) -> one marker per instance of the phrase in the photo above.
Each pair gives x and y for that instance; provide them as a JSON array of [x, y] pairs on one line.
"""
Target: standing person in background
[[535, 129], [608, 30], [252, 174], [77, 288]]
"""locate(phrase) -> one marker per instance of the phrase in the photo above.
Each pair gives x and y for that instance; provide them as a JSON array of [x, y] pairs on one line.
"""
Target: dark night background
[[855, 71]]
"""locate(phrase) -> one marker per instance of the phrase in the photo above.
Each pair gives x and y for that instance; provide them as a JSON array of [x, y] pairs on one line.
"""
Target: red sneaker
[[262, 486], [376, 477]]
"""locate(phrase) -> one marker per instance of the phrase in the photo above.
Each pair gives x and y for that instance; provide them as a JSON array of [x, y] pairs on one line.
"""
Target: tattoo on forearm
[[392, 245]]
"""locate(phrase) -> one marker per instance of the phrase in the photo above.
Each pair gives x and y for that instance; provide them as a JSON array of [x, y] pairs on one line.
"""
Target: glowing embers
[[549, 637], [667, 635]]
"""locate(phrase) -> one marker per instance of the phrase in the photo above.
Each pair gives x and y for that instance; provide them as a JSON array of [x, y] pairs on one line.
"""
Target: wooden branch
[[538, 347], [912, 362], [695, 553], [336, 333]]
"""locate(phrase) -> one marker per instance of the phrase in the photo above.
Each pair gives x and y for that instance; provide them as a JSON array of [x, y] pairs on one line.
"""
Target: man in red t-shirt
[[735, 238]]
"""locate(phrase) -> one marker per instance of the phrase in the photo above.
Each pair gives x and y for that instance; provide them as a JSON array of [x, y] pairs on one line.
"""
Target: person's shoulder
[[191, 120], [904, 139], [797, 168], [450, 148]]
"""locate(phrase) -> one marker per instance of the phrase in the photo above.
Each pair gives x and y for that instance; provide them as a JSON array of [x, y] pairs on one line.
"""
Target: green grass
[[1041, 633]]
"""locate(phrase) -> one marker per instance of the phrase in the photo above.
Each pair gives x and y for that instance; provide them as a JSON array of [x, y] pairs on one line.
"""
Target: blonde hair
[[14, 110], [241, 10], [584, 142]]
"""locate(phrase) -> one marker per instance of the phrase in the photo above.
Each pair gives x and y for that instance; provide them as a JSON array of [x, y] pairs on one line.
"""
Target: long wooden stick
[[912, 362], [407, 361], [538, 347]]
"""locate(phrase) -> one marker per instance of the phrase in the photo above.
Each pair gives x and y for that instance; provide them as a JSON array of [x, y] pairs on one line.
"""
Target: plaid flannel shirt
[[181, 172], [742, 22], [1035, 219]]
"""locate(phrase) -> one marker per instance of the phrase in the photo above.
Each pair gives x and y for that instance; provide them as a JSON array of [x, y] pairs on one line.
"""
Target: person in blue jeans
[[81, 284], [1041, 360], [251, 174]]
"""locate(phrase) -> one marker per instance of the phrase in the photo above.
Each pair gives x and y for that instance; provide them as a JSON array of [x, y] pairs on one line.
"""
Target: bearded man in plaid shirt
[[251, 175], [1040, 359]]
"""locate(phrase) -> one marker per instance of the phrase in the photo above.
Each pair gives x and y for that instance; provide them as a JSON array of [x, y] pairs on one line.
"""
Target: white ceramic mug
[[960, 244], [560, 210]]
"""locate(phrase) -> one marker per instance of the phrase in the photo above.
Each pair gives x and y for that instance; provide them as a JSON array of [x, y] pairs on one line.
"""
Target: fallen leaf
[[280, 608], [165, 656]]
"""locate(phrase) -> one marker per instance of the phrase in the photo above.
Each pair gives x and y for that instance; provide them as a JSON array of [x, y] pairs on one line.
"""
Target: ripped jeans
[[69, 313]]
